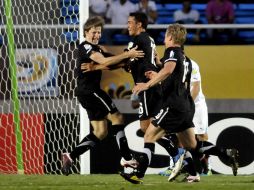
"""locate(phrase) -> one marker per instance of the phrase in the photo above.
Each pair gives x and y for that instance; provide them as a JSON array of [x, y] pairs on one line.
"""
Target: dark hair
[[93, 22], [140, 17]]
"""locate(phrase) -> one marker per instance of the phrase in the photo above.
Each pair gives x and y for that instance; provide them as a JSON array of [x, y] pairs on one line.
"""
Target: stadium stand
[[244, 14]]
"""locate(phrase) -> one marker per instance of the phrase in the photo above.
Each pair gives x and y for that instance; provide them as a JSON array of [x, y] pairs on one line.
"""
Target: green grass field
[[115, 182]]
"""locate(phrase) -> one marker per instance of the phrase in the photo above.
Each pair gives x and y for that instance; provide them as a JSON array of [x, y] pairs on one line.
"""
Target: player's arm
[[87, 67], [162, 75], [195, 88], [107, 61]]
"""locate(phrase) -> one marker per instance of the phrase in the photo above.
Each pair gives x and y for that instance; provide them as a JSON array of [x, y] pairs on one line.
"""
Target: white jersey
[[195, 76], [200, 118]]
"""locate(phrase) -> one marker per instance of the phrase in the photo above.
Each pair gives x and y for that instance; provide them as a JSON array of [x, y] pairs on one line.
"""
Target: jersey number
[[153, 46], [186, 69]]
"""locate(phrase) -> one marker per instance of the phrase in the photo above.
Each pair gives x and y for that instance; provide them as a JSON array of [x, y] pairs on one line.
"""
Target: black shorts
[[173, 121], [97, 104], [150, 102]]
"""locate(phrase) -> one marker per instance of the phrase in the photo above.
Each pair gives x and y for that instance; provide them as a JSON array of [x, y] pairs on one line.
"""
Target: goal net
[[39, 114]]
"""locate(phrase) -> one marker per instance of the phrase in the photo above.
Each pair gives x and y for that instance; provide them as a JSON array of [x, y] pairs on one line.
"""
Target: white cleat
[[191, 179], [178, 165], [129, 163]]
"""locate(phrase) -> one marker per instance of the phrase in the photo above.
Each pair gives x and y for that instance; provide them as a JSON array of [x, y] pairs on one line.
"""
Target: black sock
[[145, 159], [204, 164], [87, 143], [208, 148], [169, 146], [118, 131], [190, 164]]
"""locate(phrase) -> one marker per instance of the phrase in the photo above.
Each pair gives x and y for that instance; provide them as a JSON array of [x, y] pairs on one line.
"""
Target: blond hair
[[178, 33], [93, 22]]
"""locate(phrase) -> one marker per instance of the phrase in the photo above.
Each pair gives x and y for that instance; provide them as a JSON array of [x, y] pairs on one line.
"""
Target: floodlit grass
[[115, 182]]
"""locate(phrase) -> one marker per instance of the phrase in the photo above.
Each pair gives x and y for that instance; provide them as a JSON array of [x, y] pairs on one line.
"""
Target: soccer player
[[200, 118], [97, 103], [150, 99], [177, 110]]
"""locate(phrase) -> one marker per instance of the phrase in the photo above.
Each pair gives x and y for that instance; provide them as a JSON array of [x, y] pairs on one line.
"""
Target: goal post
[[39, 113], [84, 121], [14, 87]]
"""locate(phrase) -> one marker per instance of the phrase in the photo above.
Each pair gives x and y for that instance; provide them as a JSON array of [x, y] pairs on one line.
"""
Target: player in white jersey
[[201, 114], [200, 118]]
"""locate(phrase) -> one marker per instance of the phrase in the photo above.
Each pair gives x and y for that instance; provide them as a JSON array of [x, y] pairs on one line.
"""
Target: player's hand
[[86, 67], [150, 74], [139, 87], [134, 53]]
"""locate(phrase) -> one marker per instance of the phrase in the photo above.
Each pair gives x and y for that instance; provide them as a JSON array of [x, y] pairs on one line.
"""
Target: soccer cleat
[[129, 163], [233, 154], [191, 179], [166, 172], [131, 177], [178, 160], [66, 163], [209, 173]]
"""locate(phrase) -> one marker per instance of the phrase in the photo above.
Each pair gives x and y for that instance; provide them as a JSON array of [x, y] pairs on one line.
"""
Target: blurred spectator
[[220, 12], [118, 13], [98, 8], [187, 15], [149, 8]]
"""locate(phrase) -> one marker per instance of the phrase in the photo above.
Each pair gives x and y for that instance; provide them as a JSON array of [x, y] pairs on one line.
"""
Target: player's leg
[[188, 141], [97, 111], [200, 121], [150, 106], [90, 141], [207, 148], [231, 155], [118, 126], [151, 136]]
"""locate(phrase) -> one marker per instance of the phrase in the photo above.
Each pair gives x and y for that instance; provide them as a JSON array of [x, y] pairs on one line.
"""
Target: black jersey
[[176, 87], [140, 66], [89, 81]]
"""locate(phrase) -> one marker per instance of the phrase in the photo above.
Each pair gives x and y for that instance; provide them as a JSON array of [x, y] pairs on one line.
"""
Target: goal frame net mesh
[[45, 42]]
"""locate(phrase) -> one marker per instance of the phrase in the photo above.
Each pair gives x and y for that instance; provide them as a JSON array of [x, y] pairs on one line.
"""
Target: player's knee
[[190, 145], [202, 137], [117, 118]]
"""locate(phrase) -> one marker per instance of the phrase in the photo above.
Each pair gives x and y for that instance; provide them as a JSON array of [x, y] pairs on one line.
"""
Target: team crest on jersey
[[88, 47], [130, 45], [171, 54]]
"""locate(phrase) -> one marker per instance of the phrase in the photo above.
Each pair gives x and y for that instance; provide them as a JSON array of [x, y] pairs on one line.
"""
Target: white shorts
[[200, 118]]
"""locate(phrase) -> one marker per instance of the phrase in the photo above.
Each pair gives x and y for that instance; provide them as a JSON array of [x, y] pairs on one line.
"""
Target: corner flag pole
[[14, 86], [84, 121]]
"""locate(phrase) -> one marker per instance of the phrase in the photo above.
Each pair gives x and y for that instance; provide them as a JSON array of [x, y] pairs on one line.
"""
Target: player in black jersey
[[97, 103], [178, 108], [150, 99]]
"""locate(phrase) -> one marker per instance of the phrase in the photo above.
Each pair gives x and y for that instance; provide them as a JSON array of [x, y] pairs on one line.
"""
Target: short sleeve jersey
[[176, 87], [89, 81], [141, 65], [195, 77]]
